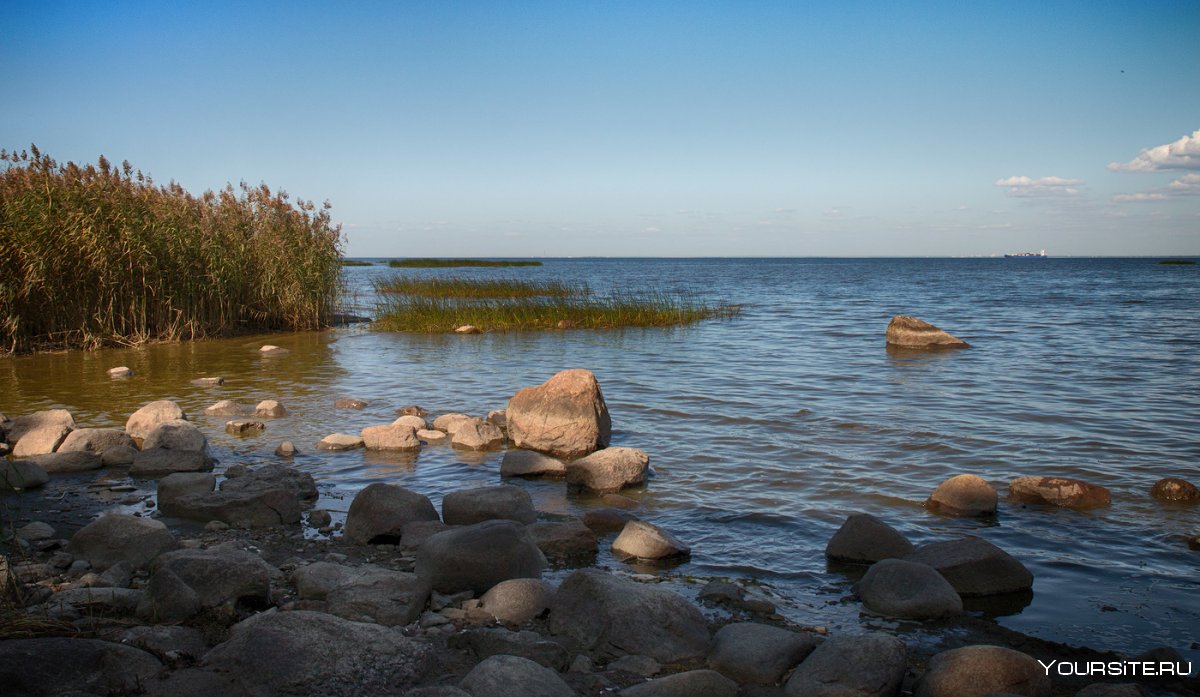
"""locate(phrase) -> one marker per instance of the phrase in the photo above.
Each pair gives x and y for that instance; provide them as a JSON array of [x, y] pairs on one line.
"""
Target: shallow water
[[765, 431]]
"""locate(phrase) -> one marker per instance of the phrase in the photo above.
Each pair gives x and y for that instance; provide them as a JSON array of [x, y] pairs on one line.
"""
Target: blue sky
[[658, 129]]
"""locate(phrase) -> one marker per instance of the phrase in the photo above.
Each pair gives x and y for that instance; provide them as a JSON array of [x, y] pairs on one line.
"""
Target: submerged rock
[[225, 407], [1059, 491], [906, 331], [349, 403], [120, 373], [965, 495], [1175, 490], [977, 671], [865, 539], [566, 416], [527, 463], [244, 428]]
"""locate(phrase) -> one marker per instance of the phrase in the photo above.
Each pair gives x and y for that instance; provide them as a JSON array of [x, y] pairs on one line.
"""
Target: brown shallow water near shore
[[766, 431]]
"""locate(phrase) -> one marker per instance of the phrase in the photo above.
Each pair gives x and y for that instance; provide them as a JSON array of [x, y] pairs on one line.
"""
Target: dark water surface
[[765, 431]]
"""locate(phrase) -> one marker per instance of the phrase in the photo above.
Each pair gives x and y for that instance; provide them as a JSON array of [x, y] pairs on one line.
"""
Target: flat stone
[[272, 350], [160, 461], [390, 438], [527, 463], [1059, 491], [865, 539], [608, 470], [62, 666], [431, 437], [174, 486], [208, 382], [339, 442], [225, 407], [641, 540], [167, 641], [907, 590], [35, 531], [77, 461], [382, 596]]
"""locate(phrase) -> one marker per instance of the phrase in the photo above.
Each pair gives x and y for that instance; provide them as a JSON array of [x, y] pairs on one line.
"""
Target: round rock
[[976, 671], [864, 665], [964, 495], [500, 676], [608, 470], [114, 538], [758, 654], [1169, 489], [503, 501], [380, 511], [641, 540], [1059, 491], [518, 600], [479, 556], [974, 566], [865, 539], [907, 590]]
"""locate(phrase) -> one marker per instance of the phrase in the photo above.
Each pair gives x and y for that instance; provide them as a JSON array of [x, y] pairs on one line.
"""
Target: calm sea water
[[767, 430]]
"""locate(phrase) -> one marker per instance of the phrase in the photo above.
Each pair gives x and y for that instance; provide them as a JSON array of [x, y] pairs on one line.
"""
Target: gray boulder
[[974, 566], [500, 676], [564, 542], [390, 438], [18, 475], [865, 665], [566, 416], [263, 497], [159, 461], [381, 596], [478, 557], [166, 641], [641, 540], [907, 590], [175, 486], [315, 581], [118, 455], [518, 600], [865, 539], [477, 434], [95, 440], [142, 421], [380, 511], [616, 616], [177, 434], [40, 432], [115, 538], [500, 502], [692, 683], [965, 495], [527, 463], [758, 654], [313, 653], [61, 666], [976, 671], [77, 461], [270, 409], [189, 581], [608, 470], [909, 332], [495, 641]]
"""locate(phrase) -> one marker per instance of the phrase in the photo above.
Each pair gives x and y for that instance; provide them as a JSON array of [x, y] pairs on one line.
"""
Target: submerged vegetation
[[459, 287], [452, 263], [442, 305], [99, 254]]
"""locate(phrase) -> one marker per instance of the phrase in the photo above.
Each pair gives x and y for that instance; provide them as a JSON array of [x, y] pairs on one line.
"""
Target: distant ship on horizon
[[1027, 255]]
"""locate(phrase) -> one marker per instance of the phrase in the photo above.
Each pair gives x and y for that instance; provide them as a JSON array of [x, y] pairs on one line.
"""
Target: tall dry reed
[[99, 255]]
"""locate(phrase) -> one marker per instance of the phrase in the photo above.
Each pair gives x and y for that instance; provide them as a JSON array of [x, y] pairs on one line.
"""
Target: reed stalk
[[479, 288]]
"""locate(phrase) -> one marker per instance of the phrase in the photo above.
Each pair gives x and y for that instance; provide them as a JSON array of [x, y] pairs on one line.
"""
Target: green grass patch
[[452, 263], [477, 288], [412, 313], [1177, 262], [356, 262], [100, 255]]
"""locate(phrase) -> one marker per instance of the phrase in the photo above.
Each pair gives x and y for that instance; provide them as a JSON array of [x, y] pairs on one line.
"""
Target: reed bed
[[356, 262], [98, 255], [452, 263], [476, 288], [414, 313]]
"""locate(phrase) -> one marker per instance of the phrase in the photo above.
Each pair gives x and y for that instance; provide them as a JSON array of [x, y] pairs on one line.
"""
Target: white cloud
[[1187, 184], [1138, 198], [1182, 154], [1027, 187]]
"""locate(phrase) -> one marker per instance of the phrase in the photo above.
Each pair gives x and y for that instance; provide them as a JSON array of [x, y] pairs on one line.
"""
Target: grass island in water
[[100, 255], [442, 305], [453, 263]]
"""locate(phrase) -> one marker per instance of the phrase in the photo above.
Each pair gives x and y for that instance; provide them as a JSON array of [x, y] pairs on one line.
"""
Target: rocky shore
[[238, 584]]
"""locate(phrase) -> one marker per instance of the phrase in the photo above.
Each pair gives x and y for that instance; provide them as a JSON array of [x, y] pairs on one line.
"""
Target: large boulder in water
[[977, 671], [176, 434], [865, 539], [907, 590], [1059, 491], [966, 495], [379, 513], [566, 416], [609, 470], [616, 616], [95, 440], [974, 566], [143, 420], [478, 557], [912, 333], [503, 501], [1175, 490]]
